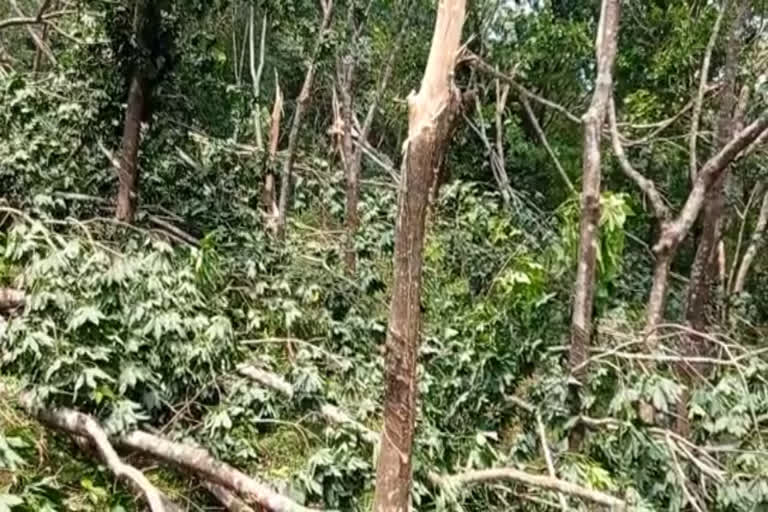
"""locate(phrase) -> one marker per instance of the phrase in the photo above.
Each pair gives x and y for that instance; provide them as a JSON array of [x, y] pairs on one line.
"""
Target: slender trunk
[[301, 106], [704, 268], [346, 77], [127, 194], [584, 285], [269, 200], [657, 298], [430, 117], [704, 271], [757, 241]]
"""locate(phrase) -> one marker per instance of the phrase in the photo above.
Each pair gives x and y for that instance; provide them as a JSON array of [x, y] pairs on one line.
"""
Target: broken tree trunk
[[269, 199], [302, 103], [431, 113], [584, 284]]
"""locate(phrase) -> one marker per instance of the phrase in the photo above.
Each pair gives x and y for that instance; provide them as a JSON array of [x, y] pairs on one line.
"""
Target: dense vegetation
[[204, 203]]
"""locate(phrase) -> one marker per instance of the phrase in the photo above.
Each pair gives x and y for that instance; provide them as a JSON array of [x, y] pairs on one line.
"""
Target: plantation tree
[[431, 113], [352, 151], [302, 103], [584, 285]]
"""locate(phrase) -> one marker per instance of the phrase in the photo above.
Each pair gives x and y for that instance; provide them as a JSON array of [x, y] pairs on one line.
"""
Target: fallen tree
[[226, 479]]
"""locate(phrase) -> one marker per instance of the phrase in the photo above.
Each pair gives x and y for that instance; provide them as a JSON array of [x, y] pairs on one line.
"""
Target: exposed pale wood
[[431, 115], [83, 425]]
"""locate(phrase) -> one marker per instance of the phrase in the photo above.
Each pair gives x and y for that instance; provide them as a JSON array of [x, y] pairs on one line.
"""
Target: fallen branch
[[200, 462], [11, 299], [544, 482], [231, 502], [268, 379], [79, 424], [330, 412], [177, 232]]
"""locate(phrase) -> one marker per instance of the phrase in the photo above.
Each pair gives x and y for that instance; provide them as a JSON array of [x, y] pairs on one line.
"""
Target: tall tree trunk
[[430, 117], [301, 106], [584, 285], [704, 271], [704, 268], [127, 194]]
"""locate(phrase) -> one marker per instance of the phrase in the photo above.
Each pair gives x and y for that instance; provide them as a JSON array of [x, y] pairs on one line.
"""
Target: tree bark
[[128, 175], [704, 268], [431, 113], [584, 285], [302, 103]]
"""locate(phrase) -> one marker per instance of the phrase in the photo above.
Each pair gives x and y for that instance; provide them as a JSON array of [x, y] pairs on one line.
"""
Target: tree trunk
[[431, 114], [269, 199], [704, 269], [351, 161], [301, 106], [127, 194], [584, 285]]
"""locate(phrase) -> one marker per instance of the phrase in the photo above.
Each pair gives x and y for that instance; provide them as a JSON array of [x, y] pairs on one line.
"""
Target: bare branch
[[27, 20], [545, 142], [660, 208], [700, 94], [201, 463], [80, 424], [553, 484], [477, 62], [675, 231]]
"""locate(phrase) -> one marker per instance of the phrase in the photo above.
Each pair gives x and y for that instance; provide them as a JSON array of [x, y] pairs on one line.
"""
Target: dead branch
[[79, 424], [11, 299], [268, 379], [544, 482], [231, 502], [330, 412], [175, 231], [28, 20], [477, 62], [201, 463], [545, 143]]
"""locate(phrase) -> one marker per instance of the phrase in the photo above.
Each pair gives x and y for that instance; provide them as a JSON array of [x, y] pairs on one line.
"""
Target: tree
[[584, 285], [145, 30], [431, 114], [302, 103]]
